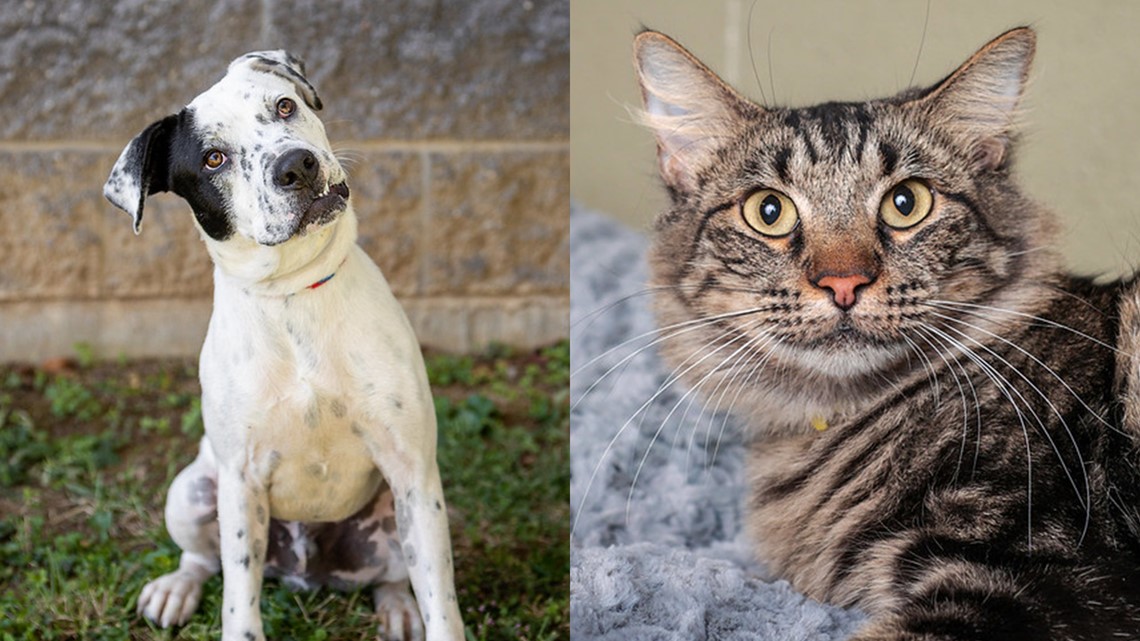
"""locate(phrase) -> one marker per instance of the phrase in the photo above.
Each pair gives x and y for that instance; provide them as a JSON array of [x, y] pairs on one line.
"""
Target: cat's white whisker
[[671, 379], [755, 371], [927, 366], [961, 392], [1032, 317], [1084, 499], [598, 312], [1031, 250], [756, 347], [740, 333], [689, 325], [693, 398], [1051, 371], [1005, 388], [942, 349]]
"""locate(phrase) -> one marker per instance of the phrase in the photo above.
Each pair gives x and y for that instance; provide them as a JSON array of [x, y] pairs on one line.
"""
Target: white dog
[[319, 460]]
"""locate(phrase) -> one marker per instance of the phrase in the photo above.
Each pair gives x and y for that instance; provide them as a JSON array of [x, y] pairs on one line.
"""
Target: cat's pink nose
[[843, 288]]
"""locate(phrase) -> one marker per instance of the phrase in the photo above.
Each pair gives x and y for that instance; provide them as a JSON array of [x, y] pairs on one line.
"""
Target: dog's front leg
[[243, 520], [421, 517]]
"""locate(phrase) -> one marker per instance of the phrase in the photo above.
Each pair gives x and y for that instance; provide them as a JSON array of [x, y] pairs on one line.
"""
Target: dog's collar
[[323, 280], [303, 289]]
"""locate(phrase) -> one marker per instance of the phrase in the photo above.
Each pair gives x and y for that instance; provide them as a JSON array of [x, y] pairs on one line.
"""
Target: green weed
[[84, 354], [71, 399], [85, 461], [22, 446]]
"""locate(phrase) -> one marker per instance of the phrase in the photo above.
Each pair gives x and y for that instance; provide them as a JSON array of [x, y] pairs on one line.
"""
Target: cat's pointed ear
[[978, 103], [687, 106]]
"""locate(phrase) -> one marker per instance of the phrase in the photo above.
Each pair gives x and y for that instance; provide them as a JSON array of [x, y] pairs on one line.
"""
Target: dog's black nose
[[297, 169]]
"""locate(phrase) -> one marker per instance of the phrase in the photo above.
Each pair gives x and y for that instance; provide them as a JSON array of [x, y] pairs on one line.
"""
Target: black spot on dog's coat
[[388, 525]]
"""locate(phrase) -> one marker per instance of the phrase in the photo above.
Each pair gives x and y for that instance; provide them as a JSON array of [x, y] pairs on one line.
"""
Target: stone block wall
[[453, 114]]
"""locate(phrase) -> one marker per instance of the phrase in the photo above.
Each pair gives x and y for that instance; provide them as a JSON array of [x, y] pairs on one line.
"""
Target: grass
[[88, 448]]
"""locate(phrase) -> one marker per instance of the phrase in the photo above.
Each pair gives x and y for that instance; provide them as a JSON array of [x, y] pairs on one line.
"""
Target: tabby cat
[[944, 421]]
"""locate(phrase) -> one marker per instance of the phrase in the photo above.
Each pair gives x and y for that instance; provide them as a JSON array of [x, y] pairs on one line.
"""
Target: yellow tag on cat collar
[[819, 423]]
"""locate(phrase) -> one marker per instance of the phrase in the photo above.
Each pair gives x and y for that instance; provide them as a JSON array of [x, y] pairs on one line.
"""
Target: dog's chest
[[286, 394]]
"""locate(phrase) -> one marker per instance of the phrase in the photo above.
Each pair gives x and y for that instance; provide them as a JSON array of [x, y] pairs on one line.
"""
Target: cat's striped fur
[[977, 476]]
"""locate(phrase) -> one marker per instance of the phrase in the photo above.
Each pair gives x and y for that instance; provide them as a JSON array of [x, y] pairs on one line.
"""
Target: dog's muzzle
[[299, 171]]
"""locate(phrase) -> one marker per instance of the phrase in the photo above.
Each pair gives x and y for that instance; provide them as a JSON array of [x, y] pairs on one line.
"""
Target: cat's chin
[[843, 357]]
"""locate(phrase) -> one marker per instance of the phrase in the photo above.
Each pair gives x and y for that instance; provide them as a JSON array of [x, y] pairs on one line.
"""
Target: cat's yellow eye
[[770, 212], [906, 204]]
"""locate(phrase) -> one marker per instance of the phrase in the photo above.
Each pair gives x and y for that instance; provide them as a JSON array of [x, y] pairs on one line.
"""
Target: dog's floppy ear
[[142, 169], [282, 63]]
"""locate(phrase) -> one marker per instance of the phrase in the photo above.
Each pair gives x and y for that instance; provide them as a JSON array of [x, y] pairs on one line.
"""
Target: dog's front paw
[[398, 613], [172, 598]]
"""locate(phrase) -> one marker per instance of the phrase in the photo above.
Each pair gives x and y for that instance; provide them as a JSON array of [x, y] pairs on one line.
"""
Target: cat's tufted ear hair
[[687, 106], [978, 103]]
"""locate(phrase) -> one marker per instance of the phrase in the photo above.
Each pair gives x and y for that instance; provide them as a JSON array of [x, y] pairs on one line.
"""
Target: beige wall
[[453, 123], [1080, 153]]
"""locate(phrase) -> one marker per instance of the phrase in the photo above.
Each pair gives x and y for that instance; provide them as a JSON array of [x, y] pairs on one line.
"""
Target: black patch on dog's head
[[286, 66], [190, 179], [168, 156], [141, 169]]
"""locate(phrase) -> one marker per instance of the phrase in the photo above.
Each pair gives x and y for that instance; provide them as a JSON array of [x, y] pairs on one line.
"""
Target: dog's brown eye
[[286, 108], [214, 159]]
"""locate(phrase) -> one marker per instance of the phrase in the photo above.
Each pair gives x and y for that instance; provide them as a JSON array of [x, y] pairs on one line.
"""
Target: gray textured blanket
[[657, 548]]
